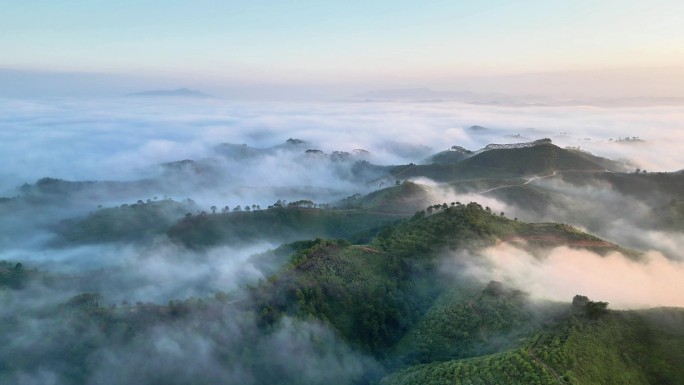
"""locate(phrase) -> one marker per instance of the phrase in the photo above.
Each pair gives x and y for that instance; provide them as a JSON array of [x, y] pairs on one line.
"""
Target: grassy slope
[[406, 198], [525, 196]]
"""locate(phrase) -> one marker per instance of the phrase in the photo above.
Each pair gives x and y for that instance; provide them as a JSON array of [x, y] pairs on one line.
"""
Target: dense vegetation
[[372, 288], [374, 294], [627, 347], [128, 222], [464, 322], [281, 224]]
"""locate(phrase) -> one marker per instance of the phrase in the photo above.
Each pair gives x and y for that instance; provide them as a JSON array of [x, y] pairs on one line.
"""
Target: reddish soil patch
[[558, 240], [369, 249]]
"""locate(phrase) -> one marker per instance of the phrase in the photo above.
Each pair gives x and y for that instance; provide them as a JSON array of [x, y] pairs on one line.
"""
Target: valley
[[393, 286]]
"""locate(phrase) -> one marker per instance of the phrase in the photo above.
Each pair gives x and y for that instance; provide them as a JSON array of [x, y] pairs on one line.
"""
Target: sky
[[64, 65], [571, 48]]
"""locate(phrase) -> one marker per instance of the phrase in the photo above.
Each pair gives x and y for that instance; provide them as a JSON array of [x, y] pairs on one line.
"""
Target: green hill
[[374, 294], [353, 217], [454, 155], [622, 347], [405, 198], [132, 222], [502, 163], [388, 299], [473, 226], [52, 190], [279, 224]]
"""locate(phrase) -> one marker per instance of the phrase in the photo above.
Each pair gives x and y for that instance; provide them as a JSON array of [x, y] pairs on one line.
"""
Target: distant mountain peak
[[295, 141], [456, 154], [179, 92]]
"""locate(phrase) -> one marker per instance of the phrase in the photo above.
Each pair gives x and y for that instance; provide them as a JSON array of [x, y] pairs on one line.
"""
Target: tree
[[305, 203], [592, 309], [595, 309], [419, 214], [579, 301], [213, 209]]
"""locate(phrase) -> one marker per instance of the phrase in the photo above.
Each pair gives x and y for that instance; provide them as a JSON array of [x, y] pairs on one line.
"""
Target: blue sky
[[326, 42]]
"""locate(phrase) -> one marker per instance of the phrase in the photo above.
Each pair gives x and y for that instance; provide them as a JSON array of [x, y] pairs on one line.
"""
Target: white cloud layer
[[122, 138], [565, 272]]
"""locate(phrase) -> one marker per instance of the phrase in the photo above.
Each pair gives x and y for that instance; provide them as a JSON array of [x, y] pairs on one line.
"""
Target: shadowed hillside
[[285, 224], [541, 159]]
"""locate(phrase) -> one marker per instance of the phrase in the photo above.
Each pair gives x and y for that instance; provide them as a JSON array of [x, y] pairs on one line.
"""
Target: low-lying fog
[[123, 139], [127, 139]]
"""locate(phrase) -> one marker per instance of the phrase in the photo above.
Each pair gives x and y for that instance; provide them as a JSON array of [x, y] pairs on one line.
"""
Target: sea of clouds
[[125, 139], [122, 138]]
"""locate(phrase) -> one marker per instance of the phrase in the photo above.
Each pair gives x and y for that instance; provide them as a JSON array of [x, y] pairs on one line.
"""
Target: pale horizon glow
[[612, 48]]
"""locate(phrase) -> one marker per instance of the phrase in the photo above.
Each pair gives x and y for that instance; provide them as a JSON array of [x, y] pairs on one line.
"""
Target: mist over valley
[[176, 240]]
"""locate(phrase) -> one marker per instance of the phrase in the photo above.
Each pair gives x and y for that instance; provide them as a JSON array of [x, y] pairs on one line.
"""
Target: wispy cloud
[[565, 272]]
